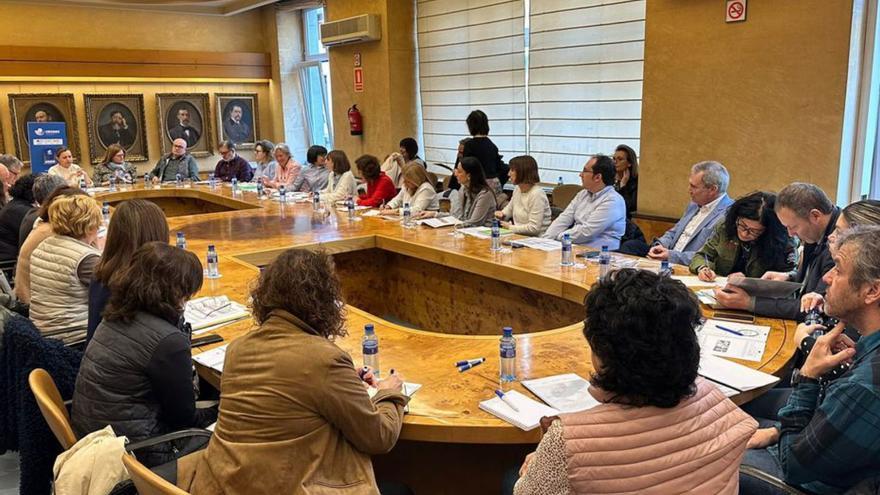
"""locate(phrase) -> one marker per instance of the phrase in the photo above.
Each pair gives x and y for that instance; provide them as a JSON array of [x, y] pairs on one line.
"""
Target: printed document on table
[[206, 312], [691, 281], [567, 393], [482, 232], [438, 222], [749, 346], [541, 244], [212, 359], [530, 411], [733, 375]]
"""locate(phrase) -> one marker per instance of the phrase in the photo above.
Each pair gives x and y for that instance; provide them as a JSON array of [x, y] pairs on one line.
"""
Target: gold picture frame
[[186, 116], [116, 119], [246, 131], [33, 107]]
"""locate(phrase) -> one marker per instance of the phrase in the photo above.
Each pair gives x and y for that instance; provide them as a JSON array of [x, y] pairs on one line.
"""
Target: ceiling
[[204, 7]]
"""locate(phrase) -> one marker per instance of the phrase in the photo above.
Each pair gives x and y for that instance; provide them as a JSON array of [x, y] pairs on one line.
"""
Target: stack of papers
[[212, 359], [530, 411], [733, 340], [539, 243], [408, 389], [356, 207], [565, 393], [691, 281], [207, 313], [733, 376], [438, 222], [482, 232]]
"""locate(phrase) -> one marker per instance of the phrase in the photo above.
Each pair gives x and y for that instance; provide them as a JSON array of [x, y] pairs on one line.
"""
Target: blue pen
[[729, 330], [474, 364], [506, 400], [470, 361]]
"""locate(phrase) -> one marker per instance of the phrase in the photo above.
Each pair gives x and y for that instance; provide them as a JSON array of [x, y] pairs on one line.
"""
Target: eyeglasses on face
[[745, 229]]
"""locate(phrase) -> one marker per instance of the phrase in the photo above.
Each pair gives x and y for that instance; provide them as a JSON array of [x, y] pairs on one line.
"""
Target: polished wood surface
[[446, 409]]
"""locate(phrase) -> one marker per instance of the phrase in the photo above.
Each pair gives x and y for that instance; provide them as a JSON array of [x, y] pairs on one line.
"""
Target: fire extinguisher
[[355, 121]]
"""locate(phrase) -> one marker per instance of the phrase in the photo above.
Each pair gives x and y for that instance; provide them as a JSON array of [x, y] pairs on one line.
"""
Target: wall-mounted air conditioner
[[352, 30]]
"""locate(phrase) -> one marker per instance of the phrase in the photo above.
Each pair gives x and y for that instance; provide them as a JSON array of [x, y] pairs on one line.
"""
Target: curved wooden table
[[252, 232]]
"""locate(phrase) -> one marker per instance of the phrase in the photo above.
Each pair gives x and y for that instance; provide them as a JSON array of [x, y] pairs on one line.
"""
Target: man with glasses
[[707, 187], [178, 162], [596, 217], [231, 165], [805, 210], [10, 169]]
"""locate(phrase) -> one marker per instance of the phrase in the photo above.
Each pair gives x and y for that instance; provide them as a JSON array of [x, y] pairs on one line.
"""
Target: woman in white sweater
[[417, 190], [528, 213], [340, 181]]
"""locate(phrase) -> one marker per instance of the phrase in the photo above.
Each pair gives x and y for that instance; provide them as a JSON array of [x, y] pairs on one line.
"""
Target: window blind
[[471, 56], [585, 81]]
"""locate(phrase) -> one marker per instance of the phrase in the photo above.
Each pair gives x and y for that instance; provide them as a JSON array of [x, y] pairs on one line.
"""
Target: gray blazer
[[704, 231]]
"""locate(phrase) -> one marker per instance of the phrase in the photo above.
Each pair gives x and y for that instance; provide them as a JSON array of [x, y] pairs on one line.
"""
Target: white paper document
[[438, 222], [530, 411], [371, 213], [539, 243], [733, 375], [408, 389], [690, 281], [356, 207], [482, 232], [566, 393], [734, 340], [206, 312], [212, 359]]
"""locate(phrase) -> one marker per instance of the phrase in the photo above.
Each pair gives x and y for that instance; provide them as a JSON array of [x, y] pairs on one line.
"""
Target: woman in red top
[[380, 189]]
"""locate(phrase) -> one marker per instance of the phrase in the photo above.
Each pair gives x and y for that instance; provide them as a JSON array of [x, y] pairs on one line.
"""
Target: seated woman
[[314, 176], [626, 182], [12, 215], [114, 165], [133, 224], [340, 180], [67, 170], [528, 212], [62, 267], [380, 189], [750, 241], [286, 169], [295, 417], [136, 375], [42, 229], [659, 427], [417, 191], [263, 164], [393, 167], [477, 198]]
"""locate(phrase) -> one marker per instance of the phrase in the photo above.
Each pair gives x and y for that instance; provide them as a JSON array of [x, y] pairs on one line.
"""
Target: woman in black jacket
[[136, 375], [13, 214]]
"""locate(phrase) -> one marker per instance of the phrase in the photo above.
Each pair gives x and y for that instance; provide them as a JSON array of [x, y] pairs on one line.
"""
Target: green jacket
[[720, 254]]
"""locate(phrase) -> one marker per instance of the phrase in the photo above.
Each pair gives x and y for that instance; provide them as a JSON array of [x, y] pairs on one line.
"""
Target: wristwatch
[[797, 378]]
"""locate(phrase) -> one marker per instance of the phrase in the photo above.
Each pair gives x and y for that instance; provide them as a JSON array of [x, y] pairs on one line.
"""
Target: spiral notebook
[[530, 411]]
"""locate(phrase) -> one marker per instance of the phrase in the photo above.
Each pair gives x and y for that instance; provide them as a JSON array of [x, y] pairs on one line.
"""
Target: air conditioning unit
[[352, 30]]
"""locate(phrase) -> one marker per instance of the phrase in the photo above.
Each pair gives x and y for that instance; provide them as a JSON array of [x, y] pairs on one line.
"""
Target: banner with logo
[[44, 139]]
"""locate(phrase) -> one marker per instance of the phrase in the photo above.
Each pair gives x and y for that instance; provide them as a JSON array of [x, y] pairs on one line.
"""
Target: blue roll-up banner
[[44, 138]]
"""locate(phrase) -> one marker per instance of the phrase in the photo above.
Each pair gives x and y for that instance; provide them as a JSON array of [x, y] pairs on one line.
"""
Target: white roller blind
[[585, 81], [471, 56]]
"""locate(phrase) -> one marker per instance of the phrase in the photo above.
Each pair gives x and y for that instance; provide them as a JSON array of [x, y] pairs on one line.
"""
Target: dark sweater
[[483, 149], [11, 217], [99, 294], [238, 167], [630, 193], [27, 225]]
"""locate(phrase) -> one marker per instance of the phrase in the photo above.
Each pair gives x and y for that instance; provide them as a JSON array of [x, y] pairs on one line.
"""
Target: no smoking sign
[[736, 10]]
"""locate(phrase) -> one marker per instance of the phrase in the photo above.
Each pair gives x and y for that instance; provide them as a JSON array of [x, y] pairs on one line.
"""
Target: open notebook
[[530, 411]]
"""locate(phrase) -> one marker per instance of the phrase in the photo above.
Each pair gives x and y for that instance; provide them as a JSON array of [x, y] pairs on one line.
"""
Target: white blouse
[[339, 188], [530, 211], [424, 199]]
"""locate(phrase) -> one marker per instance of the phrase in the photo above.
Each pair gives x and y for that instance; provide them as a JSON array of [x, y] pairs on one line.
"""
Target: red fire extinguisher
[[355, 121]]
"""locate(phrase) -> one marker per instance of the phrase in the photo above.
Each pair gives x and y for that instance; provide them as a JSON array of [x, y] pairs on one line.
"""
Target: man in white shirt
[[707, 186], [596, 217]]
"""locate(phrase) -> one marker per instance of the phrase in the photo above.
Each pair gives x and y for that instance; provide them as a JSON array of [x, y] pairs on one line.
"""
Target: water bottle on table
[[604, 262], [282, 194], [181, 240], [407, 216], [148, 182], [496, 236], [566, 251], [316, 201], [260, 188], [105, 212], [234, 186], [370, 345], [508, 355], [213, 262], [178, 180]]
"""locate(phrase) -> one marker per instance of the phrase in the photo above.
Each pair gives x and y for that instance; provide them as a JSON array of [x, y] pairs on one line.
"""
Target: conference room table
[[434, 298]]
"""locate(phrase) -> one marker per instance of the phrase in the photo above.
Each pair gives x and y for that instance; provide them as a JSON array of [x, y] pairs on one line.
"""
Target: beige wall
[[388, 102], [764, 97]]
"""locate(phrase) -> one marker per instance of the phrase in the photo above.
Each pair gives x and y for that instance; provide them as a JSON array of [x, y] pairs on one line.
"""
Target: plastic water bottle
[[349, 205], [604, 262], [407, 216], [234, 186], [212, 181], [213, 262], [508, 355], [105, 212], [181, 240], [371, 348], [282, 194], [496, 236], [178, 180], [665, 269], [82, 184], [566, 251], [260, 188], [559, 181], [148, 183], [112, 184], [316, 201]]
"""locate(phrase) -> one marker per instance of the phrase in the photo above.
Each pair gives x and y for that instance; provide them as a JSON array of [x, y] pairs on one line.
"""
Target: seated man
[[178, 162], [10, 169], [807, 213], [707, 187], [828, 433], [231, 165], [596, 217]]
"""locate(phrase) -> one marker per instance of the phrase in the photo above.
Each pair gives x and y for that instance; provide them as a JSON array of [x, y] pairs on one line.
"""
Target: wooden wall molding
[[98, 62]]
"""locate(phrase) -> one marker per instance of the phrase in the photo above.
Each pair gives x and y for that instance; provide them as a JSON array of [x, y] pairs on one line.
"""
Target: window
[[315, 79], [559, 79]]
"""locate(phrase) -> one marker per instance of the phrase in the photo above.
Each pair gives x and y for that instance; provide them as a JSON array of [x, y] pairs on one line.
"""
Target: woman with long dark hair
[[750, 241], [478, 200], [626, 181]]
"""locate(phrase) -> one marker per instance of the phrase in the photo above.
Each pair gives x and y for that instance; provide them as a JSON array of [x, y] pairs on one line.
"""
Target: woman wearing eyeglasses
[[750, 241]]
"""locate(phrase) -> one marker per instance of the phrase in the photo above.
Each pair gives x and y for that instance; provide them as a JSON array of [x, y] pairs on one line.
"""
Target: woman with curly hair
[[294, 415], [659, 428], [750, 242]]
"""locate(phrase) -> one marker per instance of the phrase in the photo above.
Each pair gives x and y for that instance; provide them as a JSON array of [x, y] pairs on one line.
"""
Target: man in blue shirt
[[596, 217], [828, 434]]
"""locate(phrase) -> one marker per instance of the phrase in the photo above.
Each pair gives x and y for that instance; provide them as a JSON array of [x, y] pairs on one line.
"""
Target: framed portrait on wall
[[238, 118], [116, 119], [185, 116], [38, 107]]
